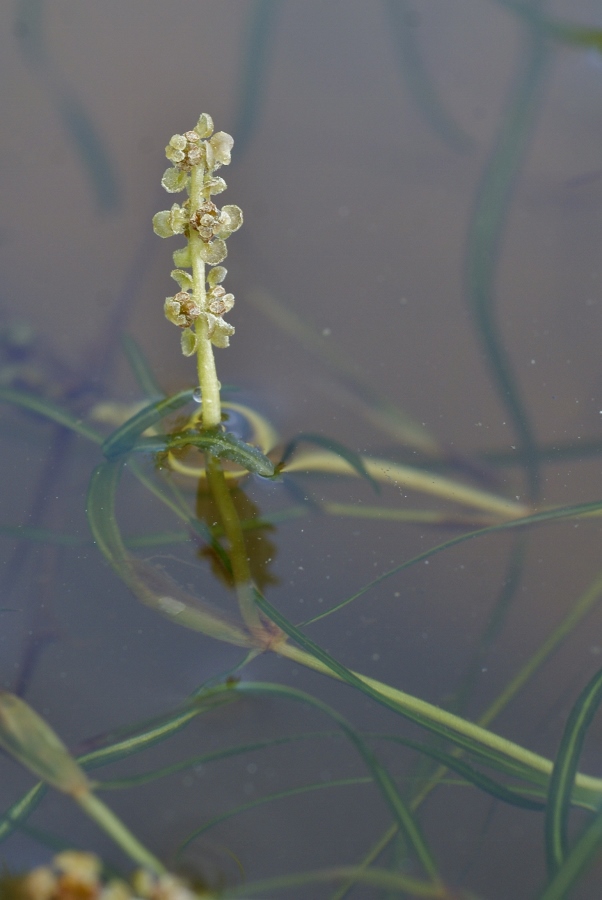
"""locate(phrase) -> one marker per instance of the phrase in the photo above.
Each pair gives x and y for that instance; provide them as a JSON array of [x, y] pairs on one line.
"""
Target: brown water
[[358, 193]]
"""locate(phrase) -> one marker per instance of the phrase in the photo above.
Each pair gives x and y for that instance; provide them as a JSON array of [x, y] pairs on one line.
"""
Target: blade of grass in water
[[546, 516], [485, 237], [151, 586], [583, 852], [20, 810], [411, 478], [490, 748], [565, 769], [88, 143], [141, 370], [350, 456], [49, 410], [123, 439], [377, 409], [378, 878], [380, 775], [417, 79], [253, 69]]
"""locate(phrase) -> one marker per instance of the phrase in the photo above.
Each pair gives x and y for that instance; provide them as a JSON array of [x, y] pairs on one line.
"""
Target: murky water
[[368, 136]]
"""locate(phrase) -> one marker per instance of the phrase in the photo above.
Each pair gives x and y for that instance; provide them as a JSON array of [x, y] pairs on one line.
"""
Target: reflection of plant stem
[[239, 559]]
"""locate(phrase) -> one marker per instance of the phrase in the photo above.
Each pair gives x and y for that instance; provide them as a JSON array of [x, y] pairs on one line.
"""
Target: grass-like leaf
[[491, 749], [151, 586], [540, 518], [49, 410], [384, 879], [223, 444], [402, 815], [486, 231], [579, 857], [20, 810], [565, 769], [141, 370], [123, 439], [354, 459], [416, 77]]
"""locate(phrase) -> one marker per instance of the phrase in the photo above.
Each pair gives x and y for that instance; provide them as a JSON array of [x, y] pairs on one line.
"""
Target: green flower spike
[[201, 302]]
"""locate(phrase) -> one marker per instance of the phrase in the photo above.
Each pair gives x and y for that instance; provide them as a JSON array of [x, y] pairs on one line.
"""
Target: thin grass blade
[[380, 775], [350, 456], [140, 367], [123, 439], [565, 769], [49, 410]]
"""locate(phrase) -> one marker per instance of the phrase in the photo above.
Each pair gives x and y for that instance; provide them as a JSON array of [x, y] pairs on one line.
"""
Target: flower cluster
[[195, 157], [75, 875]]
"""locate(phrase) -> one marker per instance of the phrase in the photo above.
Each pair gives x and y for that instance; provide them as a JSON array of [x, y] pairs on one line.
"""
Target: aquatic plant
[[192, 458]]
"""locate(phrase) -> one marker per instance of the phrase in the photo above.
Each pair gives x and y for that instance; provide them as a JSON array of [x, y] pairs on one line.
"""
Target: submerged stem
[[115, 828], [230, 520]]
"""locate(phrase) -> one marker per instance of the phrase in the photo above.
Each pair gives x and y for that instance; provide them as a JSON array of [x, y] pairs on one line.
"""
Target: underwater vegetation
[[205, 460]]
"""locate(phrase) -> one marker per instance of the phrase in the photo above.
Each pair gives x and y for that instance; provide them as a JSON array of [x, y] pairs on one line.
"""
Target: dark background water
[[359, 186]]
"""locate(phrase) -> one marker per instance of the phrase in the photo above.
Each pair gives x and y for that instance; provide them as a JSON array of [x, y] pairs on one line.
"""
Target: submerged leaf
[[33, 743], [122, 440], [350, 456]]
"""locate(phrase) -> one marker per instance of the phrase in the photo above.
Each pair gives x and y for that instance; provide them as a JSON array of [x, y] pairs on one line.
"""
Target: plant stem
[[115, 828], [208, 383]]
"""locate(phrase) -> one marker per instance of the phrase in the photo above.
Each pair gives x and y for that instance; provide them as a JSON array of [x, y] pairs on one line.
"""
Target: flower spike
[[201, 303]]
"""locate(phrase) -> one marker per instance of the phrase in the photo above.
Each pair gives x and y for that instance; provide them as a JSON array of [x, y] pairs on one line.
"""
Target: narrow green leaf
[[216, 756], [270, 798], [141, 370], [378, 878], [488, 747], [539, 518], [49, 410], [151, 586], [123, 439], [416, 77], [350, 456], [565, 768], [42, 535], [20, 810], [582, 853], [469, 773], [486, 232], [404, 818]]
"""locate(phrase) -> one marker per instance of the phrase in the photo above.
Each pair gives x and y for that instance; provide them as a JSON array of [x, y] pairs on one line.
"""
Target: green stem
[[122, 836], [230, 520], [208, 382]]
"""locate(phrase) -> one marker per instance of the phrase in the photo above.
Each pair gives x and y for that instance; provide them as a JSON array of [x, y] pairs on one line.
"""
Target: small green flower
[[181, 309], [218, 301], [219, 332], [171, 221]]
